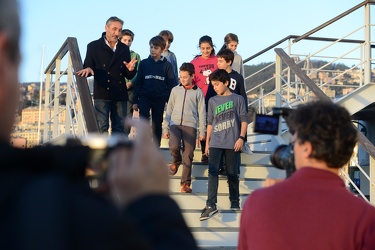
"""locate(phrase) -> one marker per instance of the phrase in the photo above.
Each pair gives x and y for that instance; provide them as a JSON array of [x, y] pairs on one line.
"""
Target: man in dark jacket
[[108, 60], [45, 201]]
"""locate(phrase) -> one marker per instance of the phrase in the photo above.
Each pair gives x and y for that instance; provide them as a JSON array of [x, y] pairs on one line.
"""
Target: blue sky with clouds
[[258, 24]]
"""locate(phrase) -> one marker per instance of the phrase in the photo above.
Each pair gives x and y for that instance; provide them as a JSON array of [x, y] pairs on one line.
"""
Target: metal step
[[215, 238], [258, 157], [246, 171], [199, 185], [358, 99], [197, 201], [223, 219]]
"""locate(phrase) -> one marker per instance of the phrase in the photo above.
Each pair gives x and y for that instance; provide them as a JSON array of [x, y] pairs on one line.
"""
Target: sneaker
[[172, 169], [207, 212], [204, 158], [235, 205], [185, 188]]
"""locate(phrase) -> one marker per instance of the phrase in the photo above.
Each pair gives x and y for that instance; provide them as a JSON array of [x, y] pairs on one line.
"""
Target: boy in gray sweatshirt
[[186, 112]]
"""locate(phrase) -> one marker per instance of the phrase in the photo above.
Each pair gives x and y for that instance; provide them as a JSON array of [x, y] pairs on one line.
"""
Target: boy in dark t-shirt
[[236, 85], [225, 59], [226, 130]]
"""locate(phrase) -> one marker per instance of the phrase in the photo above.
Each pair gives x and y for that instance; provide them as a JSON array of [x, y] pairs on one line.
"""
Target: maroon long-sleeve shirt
[[310, 210]]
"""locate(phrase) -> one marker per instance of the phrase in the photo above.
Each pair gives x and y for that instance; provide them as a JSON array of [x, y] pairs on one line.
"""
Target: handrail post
[[289, 73], [372, 180], [56, 103], [47, 116], [278, 71], [367, 30]]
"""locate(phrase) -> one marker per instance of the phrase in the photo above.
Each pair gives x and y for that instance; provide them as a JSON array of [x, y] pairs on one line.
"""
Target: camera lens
[[283, 158]]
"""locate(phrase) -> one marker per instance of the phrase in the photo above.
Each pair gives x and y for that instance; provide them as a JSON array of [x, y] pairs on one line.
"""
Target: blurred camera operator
[[43, 208], [312, 209]]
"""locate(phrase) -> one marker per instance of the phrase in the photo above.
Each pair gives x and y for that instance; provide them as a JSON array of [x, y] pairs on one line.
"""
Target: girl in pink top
[[205, 63]]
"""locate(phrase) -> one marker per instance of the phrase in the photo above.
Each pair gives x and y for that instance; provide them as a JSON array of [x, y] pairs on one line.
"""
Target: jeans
[[222, 165], [188, 136], [156, 106], [108, 109], [214, 162], [129, 112]]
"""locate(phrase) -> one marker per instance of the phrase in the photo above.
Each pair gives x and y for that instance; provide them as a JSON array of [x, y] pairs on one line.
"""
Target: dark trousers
[[156, 106], [129, 112], [203, 142], [214, 162], [188, 136], [108, 109]]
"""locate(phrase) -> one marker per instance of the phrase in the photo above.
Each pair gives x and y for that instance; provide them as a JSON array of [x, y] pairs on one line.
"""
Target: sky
[[258, 24]]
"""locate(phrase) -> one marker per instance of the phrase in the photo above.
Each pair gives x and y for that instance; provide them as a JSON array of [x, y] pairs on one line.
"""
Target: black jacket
[[48, 206], [109, 69]]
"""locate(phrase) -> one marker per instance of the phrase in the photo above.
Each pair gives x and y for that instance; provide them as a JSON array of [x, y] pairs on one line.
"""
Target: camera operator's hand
[[271, 181], [137, 171]]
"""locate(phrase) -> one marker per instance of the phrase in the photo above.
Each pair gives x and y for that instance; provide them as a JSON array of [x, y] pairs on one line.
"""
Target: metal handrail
[[343, 39], [307, 34], [71, 45], [347, 178], [325, 39], [363, 141]]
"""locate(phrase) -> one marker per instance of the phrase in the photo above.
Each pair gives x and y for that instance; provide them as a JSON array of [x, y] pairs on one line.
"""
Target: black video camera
[[100, 145], [283, 155], [72, 159]]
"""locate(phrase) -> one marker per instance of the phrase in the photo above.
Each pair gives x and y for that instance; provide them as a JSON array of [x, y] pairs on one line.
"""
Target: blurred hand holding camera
[[138, 171], [271, 181]]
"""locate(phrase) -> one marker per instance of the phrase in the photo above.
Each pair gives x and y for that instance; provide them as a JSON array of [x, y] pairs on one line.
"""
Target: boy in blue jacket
[[155, 80]]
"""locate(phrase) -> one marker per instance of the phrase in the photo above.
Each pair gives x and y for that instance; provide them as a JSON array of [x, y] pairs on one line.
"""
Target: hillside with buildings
[[29, 117], [336, 80]]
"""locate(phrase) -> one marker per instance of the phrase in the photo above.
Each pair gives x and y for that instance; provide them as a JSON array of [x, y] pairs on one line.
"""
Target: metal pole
[[367, 62], [278, 71], [40, 95]]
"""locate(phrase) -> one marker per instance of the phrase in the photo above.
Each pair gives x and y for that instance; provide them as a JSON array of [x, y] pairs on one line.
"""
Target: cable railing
[[363, 140], [324, 70], [260, 89]]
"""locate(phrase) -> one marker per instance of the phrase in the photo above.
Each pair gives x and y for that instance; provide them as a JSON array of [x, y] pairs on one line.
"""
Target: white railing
[[68, 108], [63, 110]]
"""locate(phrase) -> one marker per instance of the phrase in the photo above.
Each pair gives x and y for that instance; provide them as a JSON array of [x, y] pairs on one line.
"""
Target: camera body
[[100, 146], [282, 156], [71, 159]]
